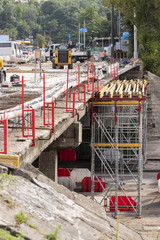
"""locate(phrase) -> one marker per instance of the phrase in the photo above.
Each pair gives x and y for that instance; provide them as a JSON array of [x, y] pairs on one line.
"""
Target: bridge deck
[[21, 146]]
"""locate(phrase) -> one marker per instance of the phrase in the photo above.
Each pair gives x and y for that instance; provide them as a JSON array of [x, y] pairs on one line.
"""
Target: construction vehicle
[[2, 72], [61, 57]]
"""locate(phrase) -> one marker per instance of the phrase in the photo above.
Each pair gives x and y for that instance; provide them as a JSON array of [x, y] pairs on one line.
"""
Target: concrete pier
[[48, 162]]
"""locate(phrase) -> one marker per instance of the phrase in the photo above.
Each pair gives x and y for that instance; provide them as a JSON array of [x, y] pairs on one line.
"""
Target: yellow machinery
[[2, 72], [62, 57]]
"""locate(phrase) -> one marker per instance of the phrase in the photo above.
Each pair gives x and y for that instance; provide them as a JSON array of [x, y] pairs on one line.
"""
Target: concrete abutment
[[48, 163]]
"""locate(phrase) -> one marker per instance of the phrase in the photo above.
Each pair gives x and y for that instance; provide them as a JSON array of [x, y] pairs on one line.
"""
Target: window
[[5, 45]]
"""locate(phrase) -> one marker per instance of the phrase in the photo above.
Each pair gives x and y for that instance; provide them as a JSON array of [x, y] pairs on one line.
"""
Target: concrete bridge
[[67, 125]]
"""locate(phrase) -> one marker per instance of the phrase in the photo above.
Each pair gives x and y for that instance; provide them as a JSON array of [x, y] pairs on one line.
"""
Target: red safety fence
[[70, 98], [82, 93], [115, 72], [125, 203], [113, 68], [90, 76], [95, 85], [99, 184], [82, 87], [68, 155], [28, 127], [70, 103], [92, 83], [112, 62], [64, 172], [48, 109], [28, 119], [4, 136]]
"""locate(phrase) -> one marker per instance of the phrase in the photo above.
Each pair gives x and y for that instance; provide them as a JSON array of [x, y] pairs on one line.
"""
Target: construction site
[[91, 129]]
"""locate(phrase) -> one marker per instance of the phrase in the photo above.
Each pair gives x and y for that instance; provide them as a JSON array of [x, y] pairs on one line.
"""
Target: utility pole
[[135, 38], [84, 34], [79, 34], [78, 37], [119, 27], [112, 32]]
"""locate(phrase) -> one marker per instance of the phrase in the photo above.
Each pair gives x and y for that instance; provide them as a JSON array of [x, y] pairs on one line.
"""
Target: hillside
[[48, 206]]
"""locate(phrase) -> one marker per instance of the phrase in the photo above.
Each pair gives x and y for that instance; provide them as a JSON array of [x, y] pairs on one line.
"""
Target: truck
[[2, 71], [77, 55], [51, 48]]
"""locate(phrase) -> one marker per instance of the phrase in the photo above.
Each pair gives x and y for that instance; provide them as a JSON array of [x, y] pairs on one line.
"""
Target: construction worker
[[104, 56]]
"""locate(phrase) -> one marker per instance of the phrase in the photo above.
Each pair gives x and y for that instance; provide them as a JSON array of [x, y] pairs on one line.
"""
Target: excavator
[[2, 71]]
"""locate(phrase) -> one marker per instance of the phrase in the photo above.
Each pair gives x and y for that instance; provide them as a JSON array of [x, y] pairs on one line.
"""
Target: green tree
[[40, 39], [23, 29], [147, 21]]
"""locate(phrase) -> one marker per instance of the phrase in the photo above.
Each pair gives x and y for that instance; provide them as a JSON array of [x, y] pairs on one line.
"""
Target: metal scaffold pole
[[118, 142], [93, 158], [140, 164], [116, 163]]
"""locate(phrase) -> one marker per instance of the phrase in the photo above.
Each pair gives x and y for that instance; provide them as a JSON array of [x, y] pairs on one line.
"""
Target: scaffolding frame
[[118, 143]]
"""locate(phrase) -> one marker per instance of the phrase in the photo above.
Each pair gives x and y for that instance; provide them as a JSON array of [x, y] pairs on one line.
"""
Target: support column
[[48, 163]]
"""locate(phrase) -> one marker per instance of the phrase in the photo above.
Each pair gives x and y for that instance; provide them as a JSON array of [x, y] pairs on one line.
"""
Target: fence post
[[22, 106], [5, 134], [33, 128]]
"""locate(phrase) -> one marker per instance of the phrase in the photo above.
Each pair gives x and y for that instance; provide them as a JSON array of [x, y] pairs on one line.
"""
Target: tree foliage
[[147, 21], [53, 19]]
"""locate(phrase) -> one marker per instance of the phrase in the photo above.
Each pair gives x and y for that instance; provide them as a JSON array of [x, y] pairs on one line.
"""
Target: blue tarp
[[126, 35]]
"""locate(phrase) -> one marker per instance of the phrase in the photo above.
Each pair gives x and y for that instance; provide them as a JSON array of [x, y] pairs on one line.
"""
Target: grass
[[6, 180], [10, 204], [21, 218], [32, 226], [6, 235], [53, 236], [117, 230]]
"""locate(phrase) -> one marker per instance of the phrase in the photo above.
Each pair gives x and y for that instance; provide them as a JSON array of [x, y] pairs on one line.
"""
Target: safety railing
[[28, 120], [70, 98], [90, 76], [48, 109], [82, 93], [113, 68], [95, 85]]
